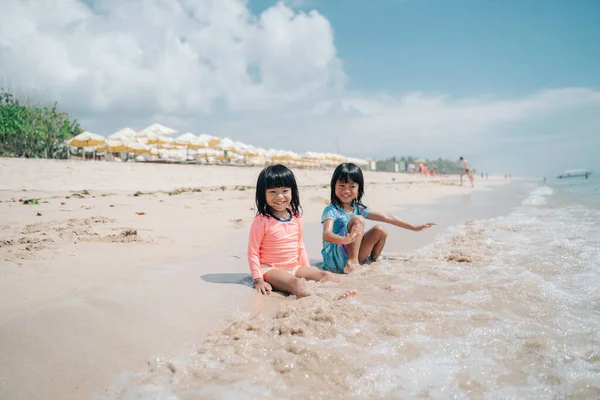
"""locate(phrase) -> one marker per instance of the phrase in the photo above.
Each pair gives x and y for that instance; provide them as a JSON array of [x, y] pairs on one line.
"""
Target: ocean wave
[[538, 196]]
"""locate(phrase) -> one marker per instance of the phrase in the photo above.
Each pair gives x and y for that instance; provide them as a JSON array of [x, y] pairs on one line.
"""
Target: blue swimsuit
[[335, 256]]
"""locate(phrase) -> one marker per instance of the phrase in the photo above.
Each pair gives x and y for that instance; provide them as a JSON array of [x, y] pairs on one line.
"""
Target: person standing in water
[[466, 171]]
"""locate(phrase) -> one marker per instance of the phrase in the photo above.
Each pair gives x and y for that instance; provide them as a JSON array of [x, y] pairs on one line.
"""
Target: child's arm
[[257, 231], [303, 260], [331, 237], [392, 219]]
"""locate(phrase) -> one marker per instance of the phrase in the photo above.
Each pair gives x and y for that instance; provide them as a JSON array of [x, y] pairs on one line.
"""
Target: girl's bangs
[[278, 180], [349, 176]]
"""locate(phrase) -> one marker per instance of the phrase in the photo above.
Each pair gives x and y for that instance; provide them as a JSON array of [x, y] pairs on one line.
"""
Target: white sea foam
[[539, 196]]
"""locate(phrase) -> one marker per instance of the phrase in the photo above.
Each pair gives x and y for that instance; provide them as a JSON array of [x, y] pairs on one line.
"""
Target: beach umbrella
[[125, 134], [251, 154], [285, 157], [150, 139], [173, 154], [115, 146], [246, 149], [165, 140], [208, 154], [160, 141], [201, 142], [185, 139], [203, 137], [335, 157], [213, 141], [225, 144], [196, 144], [254, 155], [155, 130], [137, 148], [310, 158], [86, 139]]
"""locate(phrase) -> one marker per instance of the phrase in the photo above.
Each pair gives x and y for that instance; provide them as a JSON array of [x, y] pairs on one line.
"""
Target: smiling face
[[347, 186], [279, 199], [346, 192]]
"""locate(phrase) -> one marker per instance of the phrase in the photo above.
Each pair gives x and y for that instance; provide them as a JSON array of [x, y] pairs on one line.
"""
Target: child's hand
[[262, 287], [424, 226], [353, 235]]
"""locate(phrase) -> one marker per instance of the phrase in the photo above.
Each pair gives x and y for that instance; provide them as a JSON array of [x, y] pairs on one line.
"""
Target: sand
[[106, 266]]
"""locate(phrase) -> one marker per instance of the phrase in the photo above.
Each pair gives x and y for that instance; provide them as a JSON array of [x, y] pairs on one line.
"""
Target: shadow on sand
[[240, 279], [243, 279]]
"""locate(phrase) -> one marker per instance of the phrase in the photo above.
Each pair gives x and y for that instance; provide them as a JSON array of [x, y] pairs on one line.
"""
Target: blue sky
[[512, 85], [463, 47]]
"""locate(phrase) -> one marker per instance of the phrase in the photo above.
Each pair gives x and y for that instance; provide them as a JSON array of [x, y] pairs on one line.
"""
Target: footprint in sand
[[238, 223], [458, 257]]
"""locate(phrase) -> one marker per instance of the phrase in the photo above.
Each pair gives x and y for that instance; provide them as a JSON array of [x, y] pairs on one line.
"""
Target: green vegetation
[[441, 165], [28, 129], [31, 201]]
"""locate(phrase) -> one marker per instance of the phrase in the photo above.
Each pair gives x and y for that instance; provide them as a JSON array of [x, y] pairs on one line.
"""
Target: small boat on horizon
[[574, 173]]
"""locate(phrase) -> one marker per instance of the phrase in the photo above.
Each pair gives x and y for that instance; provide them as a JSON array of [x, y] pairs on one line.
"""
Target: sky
[[512, 85]]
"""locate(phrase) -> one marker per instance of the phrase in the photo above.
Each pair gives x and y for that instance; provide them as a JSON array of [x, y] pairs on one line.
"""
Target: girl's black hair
[[276, 176], [347, 172]]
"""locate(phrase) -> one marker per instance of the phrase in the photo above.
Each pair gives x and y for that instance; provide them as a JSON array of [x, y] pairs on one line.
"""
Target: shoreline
[[92, 303]]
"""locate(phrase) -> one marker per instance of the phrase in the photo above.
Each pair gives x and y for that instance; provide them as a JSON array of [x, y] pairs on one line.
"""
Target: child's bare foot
[[346, 294], [351, 266]]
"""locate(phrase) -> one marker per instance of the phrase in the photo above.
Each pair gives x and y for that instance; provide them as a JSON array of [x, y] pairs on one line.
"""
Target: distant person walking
[[466, 171]]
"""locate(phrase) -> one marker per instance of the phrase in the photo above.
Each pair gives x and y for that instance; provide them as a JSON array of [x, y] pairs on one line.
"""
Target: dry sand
[[104, 266]]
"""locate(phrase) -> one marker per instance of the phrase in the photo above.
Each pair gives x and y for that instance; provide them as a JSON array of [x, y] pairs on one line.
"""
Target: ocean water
[[497, 308]]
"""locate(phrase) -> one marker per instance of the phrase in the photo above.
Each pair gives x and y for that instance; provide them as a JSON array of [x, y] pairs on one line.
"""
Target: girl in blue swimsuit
[[345, 243]]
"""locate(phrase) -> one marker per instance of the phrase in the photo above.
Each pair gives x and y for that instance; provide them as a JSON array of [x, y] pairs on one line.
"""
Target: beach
[[132, 137], [130, 280], [105, 271]]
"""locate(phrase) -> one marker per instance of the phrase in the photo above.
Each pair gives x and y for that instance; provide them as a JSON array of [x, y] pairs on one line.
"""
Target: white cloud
[[167, 56], [273, 80]]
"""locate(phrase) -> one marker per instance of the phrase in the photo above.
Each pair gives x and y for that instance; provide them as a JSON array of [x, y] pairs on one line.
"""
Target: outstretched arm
[[392, 219]]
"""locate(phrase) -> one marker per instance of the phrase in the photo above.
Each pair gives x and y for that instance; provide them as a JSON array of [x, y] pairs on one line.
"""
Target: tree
[[33, 131]]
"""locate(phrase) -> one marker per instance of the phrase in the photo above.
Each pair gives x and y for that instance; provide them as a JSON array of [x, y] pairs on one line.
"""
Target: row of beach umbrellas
[[158, 141]]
